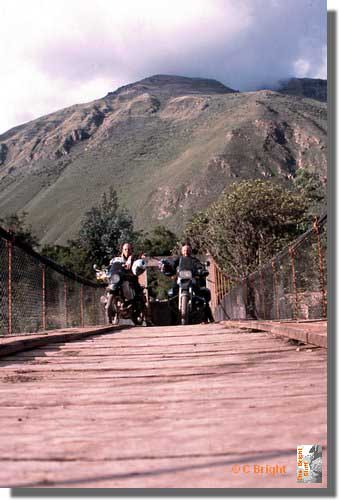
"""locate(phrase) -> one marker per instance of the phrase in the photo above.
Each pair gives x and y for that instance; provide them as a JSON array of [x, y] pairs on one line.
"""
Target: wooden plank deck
[[161, 407]]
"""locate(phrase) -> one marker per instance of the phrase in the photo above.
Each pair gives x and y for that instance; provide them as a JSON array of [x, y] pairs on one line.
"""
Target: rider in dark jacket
[[170, 268]]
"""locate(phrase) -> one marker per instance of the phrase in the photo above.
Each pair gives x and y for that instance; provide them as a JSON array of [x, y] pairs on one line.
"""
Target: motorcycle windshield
[[185, 271], [185, 264], [116, 267]]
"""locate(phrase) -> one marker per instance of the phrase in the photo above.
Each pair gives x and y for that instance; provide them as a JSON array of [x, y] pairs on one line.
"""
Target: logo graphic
[[309, 463]]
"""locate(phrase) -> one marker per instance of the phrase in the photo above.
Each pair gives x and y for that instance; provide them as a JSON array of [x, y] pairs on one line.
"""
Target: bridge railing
[[292, 285], [37, 294]]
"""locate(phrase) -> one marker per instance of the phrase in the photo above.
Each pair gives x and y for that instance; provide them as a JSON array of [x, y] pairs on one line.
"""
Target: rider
[[131, 264], [126, 257], [171, 268]]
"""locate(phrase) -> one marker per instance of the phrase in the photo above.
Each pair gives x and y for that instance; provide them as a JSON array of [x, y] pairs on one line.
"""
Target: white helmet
[[139, 267]]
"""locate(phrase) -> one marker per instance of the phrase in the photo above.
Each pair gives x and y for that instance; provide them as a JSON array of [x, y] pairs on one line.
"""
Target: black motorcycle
[[189, 298], [124, 298]]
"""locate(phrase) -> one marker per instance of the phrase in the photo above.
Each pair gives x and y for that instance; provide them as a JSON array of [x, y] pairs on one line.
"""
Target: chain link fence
[[37, 294], [293, 285]]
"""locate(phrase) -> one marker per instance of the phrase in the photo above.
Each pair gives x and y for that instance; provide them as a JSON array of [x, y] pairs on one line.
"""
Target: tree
[[73, 257], [160, 241], [16, 223], [249, 224], [104, 228], [309, 185], [196, 232], [158, 284]]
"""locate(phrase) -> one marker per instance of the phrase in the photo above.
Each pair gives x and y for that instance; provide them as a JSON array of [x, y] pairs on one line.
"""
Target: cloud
[[54, 54]]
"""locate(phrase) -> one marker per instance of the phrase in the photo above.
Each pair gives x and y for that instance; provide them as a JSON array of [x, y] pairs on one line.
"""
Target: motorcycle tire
[[109, 316], [108, 308], [184, 310], [137, 319], [138, 315]]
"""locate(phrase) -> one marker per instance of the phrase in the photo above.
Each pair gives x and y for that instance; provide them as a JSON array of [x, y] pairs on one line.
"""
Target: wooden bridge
[[205, 406]]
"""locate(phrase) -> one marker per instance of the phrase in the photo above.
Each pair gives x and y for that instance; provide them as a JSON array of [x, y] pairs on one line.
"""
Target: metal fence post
[[224, 289], [43, 272], [291, 252], [276, 293], [216, 286], [262, 300], [65, 301], [82, 305], [95, 307], [220, 285], [212, 283]]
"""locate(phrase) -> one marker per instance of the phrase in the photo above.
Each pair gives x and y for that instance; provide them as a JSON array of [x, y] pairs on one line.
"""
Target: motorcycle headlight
[[115, 278], [186, 275], [101, 276]]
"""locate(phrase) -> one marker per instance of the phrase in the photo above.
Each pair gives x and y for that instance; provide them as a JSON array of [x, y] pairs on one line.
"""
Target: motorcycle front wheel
[[137, 318], [109, 309], [184, 309], [138, 315]]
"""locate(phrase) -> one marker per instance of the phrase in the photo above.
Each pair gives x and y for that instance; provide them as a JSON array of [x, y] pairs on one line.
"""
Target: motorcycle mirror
[[95, 267]]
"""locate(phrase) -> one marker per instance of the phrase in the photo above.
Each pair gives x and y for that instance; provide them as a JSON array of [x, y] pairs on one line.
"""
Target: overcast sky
[[57, 53]]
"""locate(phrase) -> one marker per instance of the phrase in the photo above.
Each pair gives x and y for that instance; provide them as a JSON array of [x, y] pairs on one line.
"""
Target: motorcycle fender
[[205, 293], [184, 286], [181, 293], [128, 290], [191, 297]]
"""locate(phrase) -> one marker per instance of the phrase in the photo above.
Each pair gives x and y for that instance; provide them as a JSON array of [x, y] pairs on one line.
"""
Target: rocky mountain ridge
[[169, 145]]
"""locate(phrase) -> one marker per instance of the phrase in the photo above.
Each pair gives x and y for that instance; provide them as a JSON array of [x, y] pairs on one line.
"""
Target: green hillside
[[168, 145]]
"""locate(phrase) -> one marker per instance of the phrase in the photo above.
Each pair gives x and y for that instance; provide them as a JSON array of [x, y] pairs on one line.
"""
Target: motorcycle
[[124, 297], [188, 300]]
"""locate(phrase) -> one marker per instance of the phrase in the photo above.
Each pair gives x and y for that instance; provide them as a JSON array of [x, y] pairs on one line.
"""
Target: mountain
[[169, 145], [313, 88]]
